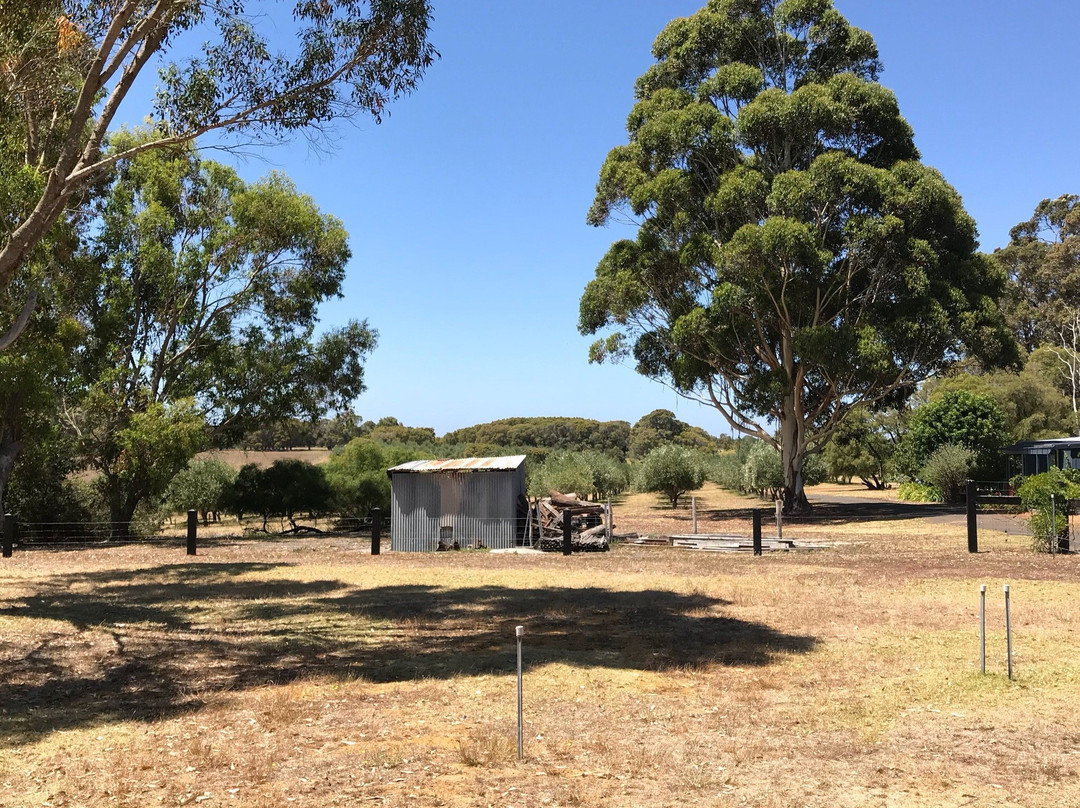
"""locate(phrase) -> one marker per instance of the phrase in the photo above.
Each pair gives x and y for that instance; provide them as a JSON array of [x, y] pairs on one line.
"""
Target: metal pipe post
[[520, 633], [567, 528], [757, 531], [192, 530], [1008, 632], [972, 517], [779, 519], [1053, 525], [9, 534], [982, 628], [376, 531], [693, 511], [607, 516]]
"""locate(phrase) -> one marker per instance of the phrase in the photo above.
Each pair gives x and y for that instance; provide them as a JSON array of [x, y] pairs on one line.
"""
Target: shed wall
[[475, 506]]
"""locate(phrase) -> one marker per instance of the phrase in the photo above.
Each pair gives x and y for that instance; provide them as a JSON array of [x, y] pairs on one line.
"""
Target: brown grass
[[307, 672], [241, 457]]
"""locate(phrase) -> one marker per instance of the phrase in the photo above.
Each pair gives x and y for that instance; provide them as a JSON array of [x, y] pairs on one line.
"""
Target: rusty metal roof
[[462, 464]]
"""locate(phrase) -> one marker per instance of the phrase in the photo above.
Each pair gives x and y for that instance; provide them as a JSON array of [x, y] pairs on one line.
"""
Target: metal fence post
[[1053, 525], [567, 527], [779, 519], [376, 531], [192, 530], [520, 631], [1008, 632], [982, 628], [972, 517], [757, 531], [693, 512], [9, 534]]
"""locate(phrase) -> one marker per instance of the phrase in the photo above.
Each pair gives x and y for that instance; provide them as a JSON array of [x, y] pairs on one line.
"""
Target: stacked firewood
[[588, 531]]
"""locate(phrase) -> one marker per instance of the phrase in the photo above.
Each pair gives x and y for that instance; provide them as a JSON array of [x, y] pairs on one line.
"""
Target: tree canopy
[[1042, 261], [207, 291], [68, 66], [793, 257]]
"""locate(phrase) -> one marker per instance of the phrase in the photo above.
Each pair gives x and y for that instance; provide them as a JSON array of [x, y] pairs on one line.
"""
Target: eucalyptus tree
[[1042, 261], [793, 258], [69, 65], [207, 291]]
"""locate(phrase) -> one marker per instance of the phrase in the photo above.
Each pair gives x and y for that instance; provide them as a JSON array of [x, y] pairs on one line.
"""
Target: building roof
[[1041, 446], [461, 464]]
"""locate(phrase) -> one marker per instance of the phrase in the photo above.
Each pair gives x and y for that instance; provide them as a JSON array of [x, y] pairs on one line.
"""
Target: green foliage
[[573, 434], [590, 473], [207, 289], [137, 453], [1035, 400], [917, 492], [357, 474], [1035, 494], [288, 489], [661, 427], [947, 470], [671, 470], [972, 421], [201, 487], [794, 258], [763, 473], [860, 447], [1042, 261], [63, 63]]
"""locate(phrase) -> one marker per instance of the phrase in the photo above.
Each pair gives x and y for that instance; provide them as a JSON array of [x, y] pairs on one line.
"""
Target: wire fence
[[15, 533]]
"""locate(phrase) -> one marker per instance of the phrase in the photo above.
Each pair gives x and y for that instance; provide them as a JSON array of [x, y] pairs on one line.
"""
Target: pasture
[[306, 672]]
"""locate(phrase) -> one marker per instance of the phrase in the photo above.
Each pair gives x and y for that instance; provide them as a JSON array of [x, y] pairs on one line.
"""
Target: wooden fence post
[[567, 528], [9, 534], [192, 530], [757, 531], [376, 531]]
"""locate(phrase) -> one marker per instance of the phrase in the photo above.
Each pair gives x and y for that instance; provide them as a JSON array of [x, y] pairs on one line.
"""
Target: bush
[[587, 473], [671, 470], [962, 418], [947, 470], [357, 474], [1035, 492], [201, 487], [917, 492], [763, 472], [287, 488]]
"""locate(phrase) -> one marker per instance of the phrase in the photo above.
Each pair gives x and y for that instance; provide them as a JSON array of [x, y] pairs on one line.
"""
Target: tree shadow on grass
[[149, 644]]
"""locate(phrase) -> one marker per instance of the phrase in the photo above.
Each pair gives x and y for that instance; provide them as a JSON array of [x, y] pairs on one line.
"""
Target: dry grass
[[241, 457], [306, 672]]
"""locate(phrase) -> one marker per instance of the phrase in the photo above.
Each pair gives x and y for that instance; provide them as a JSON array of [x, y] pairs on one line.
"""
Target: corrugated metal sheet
[[457, 504], [462, 464]]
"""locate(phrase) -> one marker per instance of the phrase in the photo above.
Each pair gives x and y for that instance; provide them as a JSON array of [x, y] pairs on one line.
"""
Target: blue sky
[[466, 207]]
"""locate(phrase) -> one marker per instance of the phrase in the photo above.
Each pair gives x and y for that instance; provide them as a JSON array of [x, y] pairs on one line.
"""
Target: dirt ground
[[307, 672]]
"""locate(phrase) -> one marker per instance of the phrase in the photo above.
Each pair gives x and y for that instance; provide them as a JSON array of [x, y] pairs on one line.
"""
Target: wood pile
[[588, 531]]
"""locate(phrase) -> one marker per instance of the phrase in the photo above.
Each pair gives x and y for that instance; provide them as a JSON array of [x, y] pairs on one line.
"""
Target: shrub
[[959, 417], [671, 470], [1035, 492], [763, 472], [917, 492], [947, 470], [201, 487]]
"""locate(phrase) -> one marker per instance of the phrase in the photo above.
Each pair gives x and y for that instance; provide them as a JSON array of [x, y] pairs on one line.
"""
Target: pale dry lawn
[[307, 672]]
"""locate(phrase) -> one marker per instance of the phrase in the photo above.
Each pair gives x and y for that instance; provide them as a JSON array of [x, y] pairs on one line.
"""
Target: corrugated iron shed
[[451, 502]]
